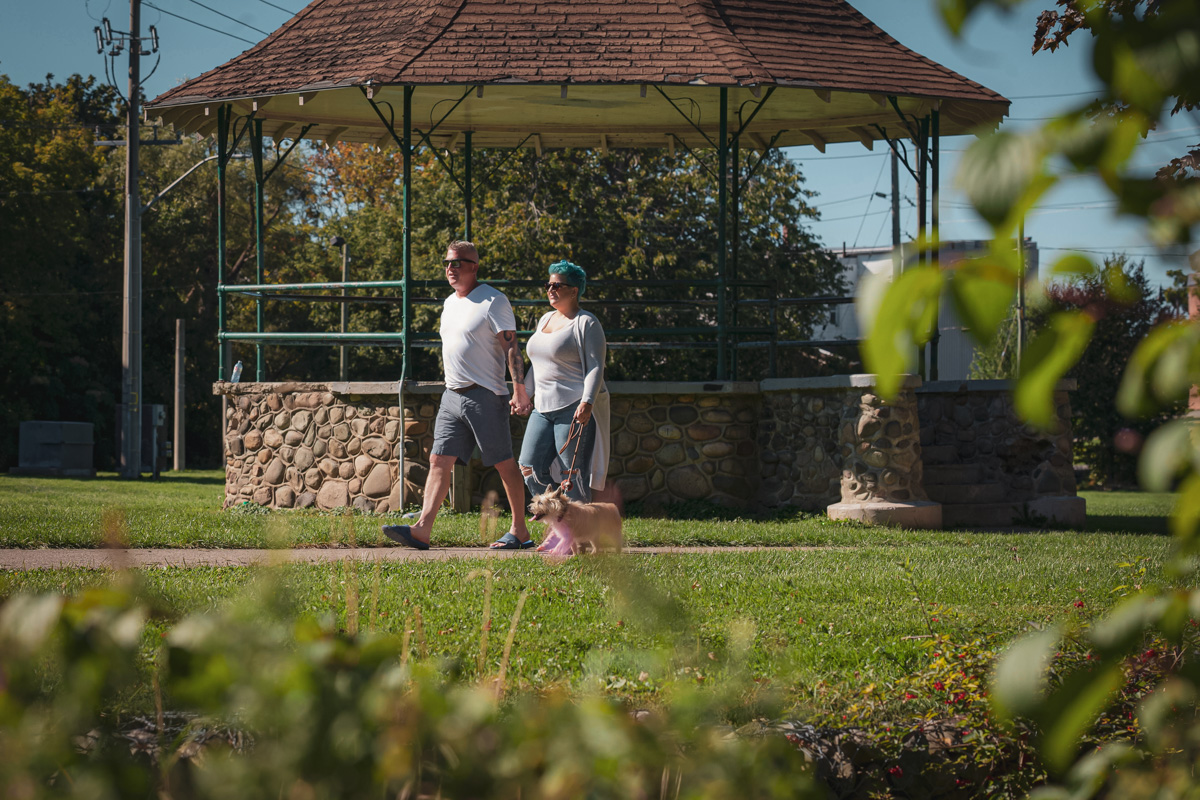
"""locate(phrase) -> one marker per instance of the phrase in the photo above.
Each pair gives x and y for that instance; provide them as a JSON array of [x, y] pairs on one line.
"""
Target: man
[[479, 336]]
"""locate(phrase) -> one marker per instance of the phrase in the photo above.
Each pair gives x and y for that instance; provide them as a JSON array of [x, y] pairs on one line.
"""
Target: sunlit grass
[[823, 616], [184, 510]]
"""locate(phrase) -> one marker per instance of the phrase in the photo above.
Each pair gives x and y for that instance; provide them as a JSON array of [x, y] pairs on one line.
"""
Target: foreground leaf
[[1055, 350], [1164, 367], [983, 290], [902, 322]]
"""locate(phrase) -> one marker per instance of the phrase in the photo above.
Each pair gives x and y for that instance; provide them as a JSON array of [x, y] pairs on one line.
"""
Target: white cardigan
[[589, 337]]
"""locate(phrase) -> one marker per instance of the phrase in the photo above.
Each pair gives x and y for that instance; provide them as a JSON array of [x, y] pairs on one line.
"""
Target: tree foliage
[[1124, 307], [629, 217], [1148, 62], [60, 271], [1054, 28], [62, 222]]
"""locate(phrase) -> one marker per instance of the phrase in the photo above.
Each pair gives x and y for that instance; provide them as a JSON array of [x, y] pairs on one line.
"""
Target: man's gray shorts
[[470, 417]]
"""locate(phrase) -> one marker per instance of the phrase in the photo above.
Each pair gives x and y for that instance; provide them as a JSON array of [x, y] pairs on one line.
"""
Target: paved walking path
[[56, 558]]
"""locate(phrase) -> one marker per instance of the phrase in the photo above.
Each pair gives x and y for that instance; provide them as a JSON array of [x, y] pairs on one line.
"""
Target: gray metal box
[[56, 448]]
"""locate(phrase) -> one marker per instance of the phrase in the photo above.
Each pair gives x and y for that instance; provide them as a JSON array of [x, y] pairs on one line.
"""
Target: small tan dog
[[573, 526]]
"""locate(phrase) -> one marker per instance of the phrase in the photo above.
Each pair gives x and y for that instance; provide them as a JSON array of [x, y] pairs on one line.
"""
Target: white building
[[956, 348]]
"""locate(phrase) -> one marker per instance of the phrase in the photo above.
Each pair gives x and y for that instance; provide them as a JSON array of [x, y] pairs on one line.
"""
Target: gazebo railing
[[635, 338]]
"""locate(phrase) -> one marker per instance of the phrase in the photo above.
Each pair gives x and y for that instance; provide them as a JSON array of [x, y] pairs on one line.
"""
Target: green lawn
[[857, 609], [853, 611], [184, 510]]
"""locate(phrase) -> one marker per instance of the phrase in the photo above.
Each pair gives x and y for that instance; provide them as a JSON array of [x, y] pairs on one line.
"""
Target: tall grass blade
[[508, 643], [407, 638], [421, 650]]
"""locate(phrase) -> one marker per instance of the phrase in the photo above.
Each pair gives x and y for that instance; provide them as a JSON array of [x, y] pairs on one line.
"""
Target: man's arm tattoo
[[516, 364]]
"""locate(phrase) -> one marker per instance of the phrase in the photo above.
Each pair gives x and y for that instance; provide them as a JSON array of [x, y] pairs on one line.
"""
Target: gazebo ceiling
[[583, 73]]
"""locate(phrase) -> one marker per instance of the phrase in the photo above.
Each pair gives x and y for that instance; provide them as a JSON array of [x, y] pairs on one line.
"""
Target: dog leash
[[575, 432]]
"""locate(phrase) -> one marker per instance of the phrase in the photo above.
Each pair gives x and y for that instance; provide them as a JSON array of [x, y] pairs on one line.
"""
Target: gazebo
[[726, 80], [720, 78]]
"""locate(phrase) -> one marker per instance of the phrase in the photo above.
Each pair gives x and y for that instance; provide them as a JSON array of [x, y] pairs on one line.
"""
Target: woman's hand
[[583, 413], [517, 407]]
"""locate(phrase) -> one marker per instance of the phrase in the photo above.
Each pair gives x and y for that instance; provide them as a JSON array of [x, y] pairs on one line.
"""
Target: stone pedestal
[[922, 514], [880, 450]]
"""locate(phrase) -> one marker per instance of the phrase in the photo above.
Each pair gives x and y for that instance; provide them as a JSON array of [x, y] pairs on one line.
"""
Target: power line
[[843, 200], [226, 16], [852, 216], [1041, 96], [281, 8], [200, 24], [870, 198]]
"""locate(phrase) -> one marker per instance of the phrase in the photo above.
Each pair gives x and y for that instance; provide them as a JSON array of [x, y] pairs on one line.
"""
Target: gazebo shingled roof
[[583, 73]]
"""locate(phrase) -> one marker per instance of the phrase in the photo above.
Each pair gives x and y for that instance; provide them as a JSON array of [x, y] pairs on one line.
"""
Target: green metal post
[[406, 145], [922, 218], [1020, 295], [722, 201], [468, 188], [934, 215], [734, 273], [222, 161], [260, 252]]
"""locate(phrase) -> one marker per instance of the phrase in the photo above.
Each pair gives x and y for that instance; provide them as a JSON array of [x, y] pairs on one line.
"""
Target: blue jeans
[[545, 435]]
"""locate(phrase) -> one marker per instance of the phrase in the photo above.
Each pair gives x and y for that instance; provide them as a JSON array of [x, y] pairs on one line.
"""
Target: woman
[[566, 383]]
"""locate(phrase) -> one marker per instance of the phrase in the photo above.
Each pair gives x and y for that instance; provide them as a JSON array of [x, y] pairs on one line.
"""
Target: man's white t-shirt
[[471, 351]]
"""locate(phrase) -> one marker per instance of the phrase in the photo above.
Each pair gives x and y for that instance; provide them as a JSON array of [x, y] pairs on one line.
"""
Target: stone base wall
[[297, 446], [807, 443], [798, 443], [974, 423], [675, 443], [825, 440]]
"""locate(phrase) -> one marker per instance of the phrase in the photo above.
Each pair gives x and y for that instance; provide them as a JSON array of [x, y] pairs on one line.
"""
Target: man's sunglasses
[[456, 262]]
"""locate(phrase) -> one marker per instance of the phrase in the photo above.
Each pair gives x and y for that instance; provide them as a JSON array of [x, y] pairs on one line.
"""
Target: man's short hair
[[465, 250]]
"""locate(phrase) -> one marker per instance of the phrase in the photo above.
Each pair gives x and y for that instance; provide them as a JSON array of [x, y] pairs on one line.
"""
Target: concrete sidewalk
[[59, 558]]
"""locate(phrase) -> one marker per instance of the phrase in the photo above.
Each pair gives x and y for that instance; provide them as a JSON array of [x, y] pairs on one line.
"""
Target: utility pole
[[131, 340], [131, 317], [1020, 294]]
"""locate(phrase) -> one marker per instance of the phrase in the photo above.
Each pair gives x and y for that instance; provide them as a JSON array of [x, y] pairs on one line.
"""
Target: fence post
[[179, 405]]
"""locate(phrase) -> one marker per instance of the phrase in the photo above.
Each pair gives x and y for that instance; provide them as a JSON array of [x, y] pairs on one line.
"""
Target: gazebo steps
[[951, 474], [965, 493]]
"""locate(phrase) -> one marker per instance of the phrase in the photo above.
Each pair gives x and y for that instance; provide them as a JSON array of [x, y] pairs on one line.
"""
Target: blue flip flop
[[510, 542], [403, 535]]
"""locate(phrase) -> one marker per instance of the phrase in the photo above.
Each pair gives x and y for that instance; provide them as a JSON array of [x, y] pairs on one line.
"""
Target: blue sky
[[55, 36]]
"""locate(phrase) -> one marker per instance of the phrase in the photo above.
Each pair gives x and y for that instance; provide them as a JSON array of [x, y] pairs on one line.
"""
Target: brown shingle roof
[[824, 45]]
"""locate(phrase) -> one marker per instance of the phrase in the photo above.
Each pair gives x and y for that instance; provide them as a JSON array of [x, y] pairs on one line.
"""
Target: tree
[[629, 216], [179, 272], [1054, 29], [62, 221], [60, 284]]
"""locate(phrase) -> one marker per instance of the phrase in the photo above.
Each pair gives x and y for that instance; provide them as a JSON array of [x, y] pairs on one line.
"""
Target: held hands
[[520, 403]]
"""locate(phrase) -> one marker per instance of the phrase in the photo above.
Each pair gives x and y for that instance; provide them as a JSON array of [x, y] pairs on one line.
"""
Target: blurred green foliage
[[1124, 307], [1147, 61], [328, 713]]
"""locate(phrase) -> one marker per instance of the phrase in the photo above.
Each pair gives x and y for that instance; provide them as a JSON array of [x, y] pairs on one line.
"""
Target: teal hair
[[573, 274]]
